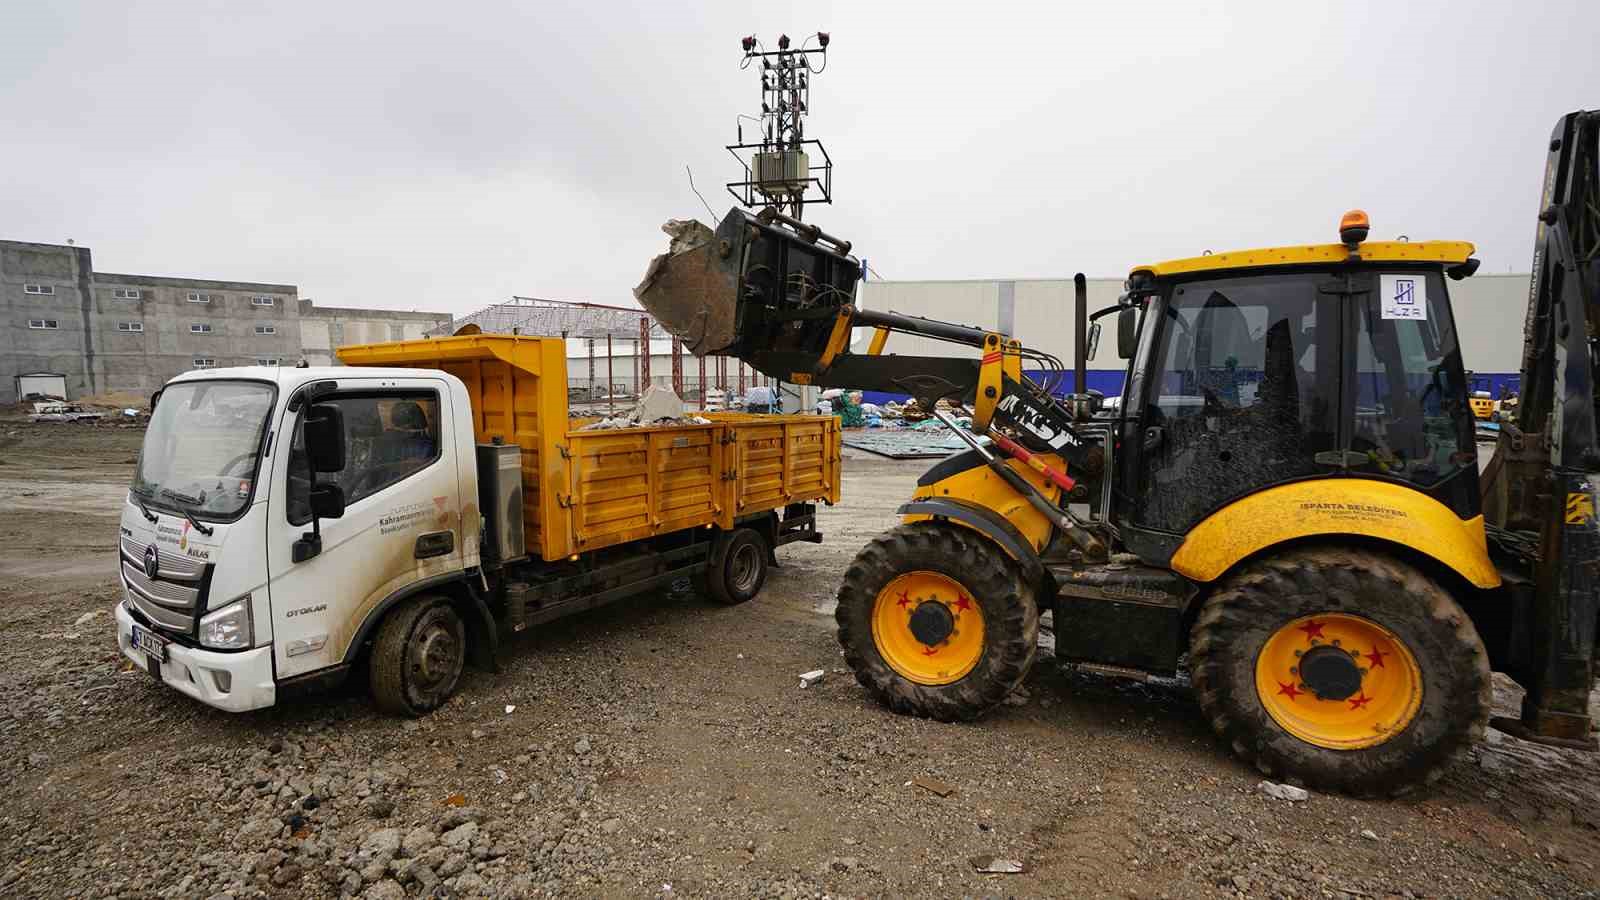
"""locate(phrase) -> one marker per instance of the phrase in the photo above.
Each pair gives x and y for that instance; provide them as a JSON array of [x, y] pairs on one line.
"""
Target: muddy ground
[[662, 747]]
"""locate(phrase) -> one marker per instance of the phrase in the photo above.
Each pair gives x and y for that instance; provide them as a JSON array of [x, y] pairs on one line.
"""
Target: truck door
[[401, 526]]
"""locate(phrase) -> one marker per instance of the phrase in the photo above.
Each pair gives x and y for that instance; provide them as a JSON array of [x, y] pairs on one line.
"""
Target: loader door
[[1406, 398], [1242, 393]]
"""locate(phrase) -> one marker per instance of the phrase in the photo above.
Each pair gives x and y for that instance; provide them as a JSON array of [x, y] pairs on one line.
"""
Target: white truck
[[288, 526]]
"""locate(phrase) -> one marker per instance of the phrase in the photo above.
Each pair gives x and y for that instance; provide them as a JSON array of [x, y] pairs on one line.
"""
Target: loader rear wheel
[[738, 567], [936, 621], [1347, 670], [418, 656]]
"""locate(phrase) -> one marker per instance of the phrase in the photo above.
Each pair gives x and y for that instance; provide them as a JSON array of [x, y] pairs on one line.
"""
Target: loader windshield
[[202, 448]]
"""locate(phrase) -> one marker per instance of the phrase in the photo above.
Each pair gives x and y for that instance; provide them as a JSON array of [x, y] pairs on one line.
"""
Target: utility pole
[[780, 172]]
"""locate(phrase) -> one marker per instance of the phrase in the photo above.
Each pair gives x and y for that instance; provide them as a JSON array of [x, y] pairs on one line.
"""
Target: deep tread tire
[[727, 579], [395, 685], [1254, 602], [1010, 612]]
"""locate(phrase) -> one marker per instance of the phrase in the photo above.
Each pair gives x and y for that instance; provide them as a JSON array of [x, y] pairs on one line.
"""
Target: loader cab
[[1267, 367]]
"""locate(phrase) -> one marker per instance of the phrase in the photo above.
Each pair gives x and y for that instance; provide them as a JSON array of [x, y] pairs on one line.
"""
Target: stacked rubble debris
[[659, 406]]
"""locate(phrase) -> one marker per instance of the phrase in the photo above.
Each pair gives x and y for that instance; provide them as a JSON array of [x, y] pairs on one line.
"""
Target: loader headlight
[[229, 628]]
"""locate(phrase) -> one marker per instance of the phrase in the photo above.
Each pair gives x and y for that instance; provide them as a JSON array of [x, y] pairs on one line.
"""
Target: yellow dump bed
[[584, 490]]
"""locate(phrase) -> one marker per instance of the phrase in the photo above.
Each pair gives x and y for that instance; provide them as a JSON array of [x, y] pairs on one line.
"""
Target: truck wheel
[[1348, 670], [738, 567], [936, 621], [418, 656]]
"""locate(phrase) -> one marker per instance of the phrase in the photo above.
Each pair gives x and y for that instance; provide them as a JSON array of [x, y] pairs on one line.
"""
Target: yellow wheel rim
[[928, 644], [1338, 681]]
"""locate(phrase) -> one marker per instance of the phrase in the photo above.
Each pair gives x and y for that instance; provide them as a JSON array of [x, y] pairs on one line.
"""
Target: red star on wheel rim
[[1376, 657], [1359, 701], [1289, 690], [929, 651], [1313, 629], [964, 603], [905, 599]]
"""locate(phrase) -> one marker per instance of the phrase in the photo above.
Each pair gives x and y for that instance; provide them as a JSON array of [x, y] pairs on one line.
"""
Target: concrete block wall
[[114, 332], [241, 332], [323, 329], [45, 284]]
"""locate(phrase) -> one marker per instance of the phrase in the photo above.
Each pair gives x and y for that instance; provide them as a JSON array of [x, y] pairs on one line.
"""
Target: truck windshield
[[202, 448]]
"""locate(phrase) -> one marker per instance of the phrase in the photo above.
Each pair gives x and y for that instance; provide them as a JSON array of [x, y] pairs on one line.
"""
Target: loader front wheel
[[936, 621], [418, 656], [1347, 670]]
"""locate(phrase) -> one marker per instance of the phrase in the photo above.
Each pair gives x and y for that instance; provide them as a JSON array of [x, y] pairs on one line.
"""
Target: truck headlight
[[229, 628]]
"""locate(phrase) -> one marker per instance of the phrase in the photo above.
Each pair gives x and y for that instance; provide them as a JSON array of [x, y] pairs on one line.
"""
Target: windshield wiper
[[184, 501], [138, 500]]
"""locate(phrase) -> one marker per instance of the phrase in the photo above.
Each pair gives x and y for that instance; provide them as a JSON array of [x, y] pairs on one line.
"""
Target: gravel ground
[[663, 747]]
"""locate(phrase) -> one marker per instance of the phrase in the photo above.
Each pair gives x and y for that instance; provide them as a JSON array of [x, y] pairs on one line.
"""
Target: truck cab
[[240, 577]]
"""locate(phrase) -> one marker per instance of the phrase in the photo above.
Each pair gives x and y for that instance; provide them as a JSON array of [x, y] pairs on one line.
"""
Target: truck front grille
[[175, 598], [174, 594], [173, 566]]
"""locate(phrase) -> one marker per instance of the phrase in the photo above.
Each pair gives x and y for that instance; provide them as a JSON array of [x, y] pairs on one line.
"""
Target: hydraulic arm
[[778, 294], [1545, 474]]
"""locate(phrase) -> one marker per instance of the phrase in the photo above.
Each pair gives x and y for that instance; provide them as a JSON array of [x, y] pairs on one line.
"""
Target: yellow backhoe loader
[[1288, 501]]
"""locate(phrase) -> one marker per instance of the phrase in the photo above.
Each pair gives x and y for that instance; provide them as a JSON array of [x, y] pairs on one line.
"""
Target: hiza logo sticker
[[1403, 297]]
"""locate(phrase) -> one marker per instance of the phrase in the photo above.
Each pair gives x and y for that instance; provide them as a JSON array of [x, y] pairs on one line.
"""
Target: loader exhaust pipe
[[1080, 315]]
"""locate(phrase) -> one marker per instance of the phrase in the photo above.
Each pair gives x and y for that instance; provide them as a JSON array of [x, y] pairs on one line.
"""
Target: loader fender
[[965, 478], [1331, 507], [986, 522]]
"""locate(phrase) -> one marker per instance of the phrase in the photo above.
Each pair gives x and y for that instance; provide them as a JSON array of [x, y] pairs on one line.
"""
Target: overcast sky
[[444, 156]]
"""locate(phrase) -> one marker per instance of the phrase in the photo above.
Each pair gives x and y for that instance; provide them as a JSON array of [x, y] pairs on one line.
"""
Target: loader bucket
[[762, 288], [692, 289]]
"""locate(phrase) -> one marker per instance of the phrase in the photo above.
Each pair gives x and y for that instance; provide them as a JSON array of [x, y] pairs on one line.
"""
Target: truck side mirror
[[324, 436], [327, 501], [1127, 332], [1092, 342]]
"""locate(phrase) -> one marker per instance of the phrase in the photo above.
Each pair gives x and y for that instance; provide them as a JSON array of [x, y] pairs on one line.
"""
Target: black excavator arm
[[779, 295], [1545, 474]]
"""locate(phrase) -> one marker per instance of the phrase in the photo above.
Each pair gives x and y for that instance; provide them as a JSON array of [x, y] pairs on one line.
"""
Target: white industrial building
[[1488, 309]]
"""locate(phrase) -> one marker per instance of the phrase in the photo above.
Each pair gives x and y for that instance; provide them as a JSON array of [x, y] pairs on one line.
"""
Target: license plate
[[153, 647]]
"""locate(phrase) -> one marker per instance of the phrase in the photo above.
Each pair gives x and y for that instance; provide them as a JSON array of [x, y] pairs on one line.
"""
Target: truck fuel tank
[[500, 498]]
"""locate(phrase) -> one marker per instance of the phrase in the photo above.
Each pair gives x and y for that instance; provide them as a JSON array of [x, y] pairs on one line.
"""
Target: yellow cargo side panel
[[611, 487], [760, 466], [806, 456], [1336, 506], [639, 482], [685, 477]]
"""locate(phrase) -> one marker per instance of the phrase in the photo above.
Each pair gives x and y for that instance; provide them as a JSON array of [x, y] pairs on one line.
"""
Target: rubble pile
[[659, 406]]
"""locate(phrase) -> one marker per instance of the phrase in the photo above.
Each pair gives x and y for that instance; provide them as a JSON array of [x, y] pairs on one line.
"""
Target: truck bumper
[[235, 682]]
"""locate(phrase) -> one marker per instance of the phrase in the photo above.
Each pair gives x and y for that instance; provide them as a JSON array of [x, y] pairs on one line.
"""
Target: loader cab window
[[1410, 418], [388, 437], [1245, 393]]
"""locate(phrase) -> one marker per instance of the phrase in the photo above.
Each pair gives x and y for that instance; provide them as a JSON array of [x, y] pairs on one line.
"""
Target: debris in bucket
[[691, 289], [807, 679], [994, 865]]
